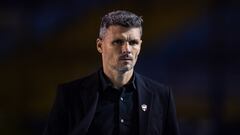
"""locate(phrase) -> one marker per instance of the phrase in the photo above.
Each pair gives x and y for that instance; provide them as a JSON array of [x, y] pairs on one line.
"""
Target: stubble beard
[[124, 68]]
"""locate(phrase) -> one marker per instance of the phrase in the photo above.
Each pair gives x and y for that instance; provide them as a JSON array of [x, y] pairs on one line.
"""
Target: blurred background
[[192, 46]]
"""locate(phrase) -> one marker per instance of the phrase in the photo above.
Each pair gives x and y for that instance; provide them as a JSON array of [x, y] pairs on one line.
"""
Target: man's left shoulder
[[152, 84]]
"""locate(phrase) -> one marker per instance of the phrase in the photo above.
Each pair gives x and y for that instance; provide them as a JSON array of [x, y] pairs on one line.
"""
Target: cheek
[[137, 51], [109, 54]]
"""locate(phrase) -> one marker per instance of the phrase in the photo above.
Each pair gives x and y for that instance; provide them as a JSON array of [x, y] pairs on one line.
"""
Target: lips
[[125, 58]]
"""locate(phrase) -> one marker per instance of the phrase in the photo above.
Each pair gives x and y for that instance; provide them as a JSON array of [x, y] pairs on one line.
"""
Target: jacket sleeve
[[57, 123], [171, 126]]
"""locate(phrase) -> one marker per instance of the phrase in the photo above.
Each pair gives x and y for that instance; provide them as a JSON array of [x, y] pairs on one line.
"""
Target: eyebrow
[[130, 39]]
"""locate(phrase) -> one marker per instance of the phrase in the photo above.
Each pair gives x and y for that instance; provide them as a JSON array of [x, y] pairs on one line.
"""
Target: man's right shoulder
[[78, 83]]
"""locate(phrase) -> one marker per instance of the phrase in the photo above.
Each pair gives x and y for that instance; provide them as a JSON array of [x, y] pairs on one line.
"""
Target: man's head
[[120, 17], [119, 40]]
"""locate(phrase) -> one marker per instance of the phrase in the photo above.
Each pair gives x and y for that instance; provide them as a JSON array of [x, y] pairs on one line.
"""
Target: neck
[[118, 78]]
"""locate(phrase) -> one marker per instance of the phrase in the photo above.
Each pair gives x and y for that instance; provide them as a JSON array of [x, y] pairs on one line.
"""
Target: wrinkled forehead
[[117, 31]]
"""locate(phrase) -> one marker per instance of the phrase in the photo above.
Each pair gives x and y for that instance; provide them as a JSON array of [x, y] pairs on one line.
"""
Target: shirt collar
[[106, 82]]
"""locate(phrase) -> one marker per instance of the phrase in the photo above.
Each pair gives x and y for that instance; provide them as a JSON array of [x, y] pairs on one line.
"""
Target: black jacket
[[76, 102]]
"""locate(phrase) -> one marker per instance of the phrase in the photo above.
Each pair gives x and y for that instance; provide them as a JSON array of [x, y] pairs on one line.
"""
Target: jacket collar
[[144, 104], [91, 93], [105, 82], [89, 97]]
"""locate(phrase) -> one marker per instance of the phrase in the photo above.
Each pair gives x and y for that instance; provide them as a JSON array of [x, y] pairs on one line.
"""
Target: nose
[[126, 48]]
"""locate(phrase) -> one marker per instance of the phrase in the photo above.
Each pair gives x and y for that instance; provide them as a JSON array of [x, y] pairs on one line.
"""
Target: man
[[115, 100]]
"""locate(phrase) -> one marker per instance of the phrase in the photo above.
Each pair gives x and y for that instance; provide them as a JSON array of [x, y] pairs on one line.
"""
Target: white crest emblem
[[144, 107]]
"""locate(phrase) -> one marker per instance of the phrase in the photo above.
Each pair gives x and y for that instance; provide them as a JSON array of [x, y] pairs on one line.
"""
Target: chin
[[125, 68]]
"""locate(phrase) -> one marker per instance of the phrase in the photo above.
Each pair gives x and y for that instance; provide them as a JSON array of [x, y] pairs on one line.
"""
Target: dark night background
[[192, 46]]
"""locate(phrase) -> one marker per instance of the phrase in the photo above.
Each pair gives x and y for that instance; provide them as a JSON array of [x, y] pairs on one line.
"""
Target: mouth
[[125, 59]]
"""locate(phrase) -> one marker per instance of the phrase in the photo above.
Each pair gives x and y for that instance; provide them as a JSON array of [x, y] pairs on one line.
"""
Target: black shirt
[[116, 112]]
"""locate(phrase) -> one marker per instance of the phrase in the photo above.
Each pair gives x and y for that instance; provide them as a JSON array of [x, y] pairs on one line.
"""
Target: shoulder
[[161, 93], [153, 85], [81, 82], [150, 82]]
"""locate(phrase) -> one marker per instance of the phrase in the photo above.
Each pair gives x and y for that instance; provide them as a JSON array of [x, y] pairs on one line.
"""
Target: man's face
[[120, 47]]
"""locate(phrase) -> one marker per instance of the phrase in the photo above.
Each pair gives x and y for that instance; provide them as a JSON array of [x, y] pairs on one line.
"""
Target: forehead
[[117, 31]]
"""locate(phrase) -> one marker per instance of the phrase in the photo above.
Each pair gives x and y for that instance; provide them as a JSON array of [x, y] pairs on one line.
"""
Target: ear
[[99, 45], [140, 45], [140, 42]]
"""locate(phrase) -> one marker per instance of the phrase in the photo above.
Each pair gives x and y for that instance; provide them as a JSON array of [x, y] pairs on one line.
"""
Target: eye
[[133, 42], [118, 42]]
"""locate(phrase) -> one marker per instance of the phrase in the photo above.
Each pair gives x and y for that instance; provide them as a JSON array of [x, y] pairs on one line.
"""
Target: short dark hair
[[120, 17]]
